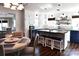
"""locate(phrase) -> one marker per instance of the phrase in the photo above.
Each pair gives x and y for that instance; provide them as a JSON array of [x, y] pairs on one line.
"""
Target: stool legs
[[52, 44]]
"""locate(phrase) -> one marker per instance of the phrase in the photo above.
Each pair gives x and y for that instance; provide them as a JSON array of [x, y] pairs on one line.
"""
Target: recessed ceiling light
[[47, 6], [78, 11], [15, 3], [59, 4], [58, 9]]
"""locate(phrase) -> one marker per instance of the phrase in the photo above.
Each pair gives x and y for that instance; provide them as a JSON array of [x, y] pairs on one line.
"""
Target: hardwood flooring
[[71, 50], [46, 51]]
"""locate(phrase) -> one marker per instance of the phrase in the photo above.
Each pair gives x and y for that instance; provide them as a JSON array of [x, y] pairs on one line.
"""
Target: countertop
[[53, 31]]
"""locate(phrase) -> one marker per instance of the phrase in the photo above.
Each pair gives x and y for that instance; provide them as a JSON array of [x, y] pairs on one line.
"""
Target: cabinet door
[[58, 44], [74, 36]]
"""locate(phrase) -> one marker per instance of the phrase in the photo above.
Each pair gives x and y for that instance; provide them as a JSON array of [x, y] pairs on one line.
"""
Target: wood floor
[[46, 51], [71, 50]]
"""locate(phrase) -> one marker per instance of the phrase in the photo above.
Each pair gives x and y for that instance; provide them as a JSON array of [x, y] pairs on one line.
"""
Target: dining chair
[[34, 50], [2, 52], [8, 30], [25, 41], [17, 34]]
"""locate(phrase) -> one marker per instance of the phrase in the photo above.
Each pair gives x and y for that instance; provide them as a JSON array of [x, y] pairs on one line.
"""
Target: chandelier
[[14, 6]]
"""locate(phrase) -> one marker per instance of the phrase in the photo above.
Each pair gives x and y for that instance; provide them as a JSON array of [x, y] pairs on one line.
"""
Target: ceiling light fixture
[[7, 5], [20, 7], [14, 6], [15, 3]]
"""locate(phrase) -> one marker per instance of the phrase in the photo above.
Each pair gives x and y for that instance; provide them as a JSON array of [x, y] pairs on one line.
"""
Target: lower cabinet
[[74, 36], [59, 44], [52, 43], [48, 42]]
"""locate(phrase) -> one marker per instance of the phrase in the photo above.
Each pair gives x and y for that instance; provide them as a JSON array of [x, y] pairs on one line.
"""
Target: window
[[75, 22], [3, 24]]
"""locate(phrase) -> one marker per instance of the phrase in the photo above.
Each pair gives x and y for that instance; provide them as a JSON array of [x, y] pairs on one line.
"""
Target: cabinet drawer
[[58, 44], [48, 42]]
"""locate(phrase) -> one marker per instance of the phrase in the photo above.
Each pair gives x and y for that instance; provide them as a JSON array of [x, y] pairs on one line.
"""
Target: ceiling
[[62, 7], [70, 7]]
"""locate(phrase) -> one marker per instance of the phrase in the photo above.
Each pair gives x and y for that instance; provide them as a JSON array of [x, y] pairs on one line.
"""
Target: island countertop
[[53, 31]]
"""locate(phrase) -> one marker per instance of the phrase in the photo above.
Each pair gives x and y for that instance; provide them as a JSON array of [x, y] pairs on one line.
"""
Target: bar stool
[[49, 43], [41, 40], [33, 50]]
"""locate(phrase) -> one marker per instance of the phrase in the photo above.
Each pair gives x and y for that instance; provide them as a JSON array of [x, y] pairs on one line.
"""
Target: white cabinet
[[66, 39], [48, 42], [59, 44]]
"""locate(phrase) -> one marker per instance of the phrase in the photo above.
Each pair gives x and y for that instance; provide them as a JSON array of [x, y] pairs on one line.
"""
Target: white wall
[[29, 20], [20, 21], [75, 24], [6, 10], [43, 15]]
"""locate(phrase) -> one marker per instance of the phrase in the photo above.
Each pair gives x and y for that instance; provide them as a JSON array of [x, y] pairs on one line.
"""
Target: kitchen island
[[56, 35]]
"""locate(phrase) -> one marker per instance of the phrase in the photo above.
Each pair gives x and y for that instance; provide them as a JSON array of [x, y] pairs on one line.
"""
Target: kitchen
[[54, 18]]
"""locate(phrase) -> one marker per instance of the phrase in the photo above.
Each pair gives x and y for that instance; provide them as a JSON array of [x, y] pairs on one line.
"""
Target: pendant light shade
[[14, 6]]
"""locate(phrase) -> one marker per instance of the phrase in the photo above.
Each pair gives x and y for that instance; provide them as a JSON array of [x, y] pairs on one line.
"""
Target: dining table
[[13, 44]]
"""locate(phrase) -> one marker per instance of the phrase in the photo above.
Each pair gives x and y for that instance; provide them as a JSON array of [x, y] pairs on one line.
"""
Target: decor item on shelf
[[14, 6], [64, 22], [64, 17]]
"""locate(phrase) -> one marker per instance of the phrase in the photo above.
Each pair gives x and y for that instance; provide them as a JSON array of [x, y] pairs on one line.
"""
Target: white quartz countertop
[[54, 31]]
